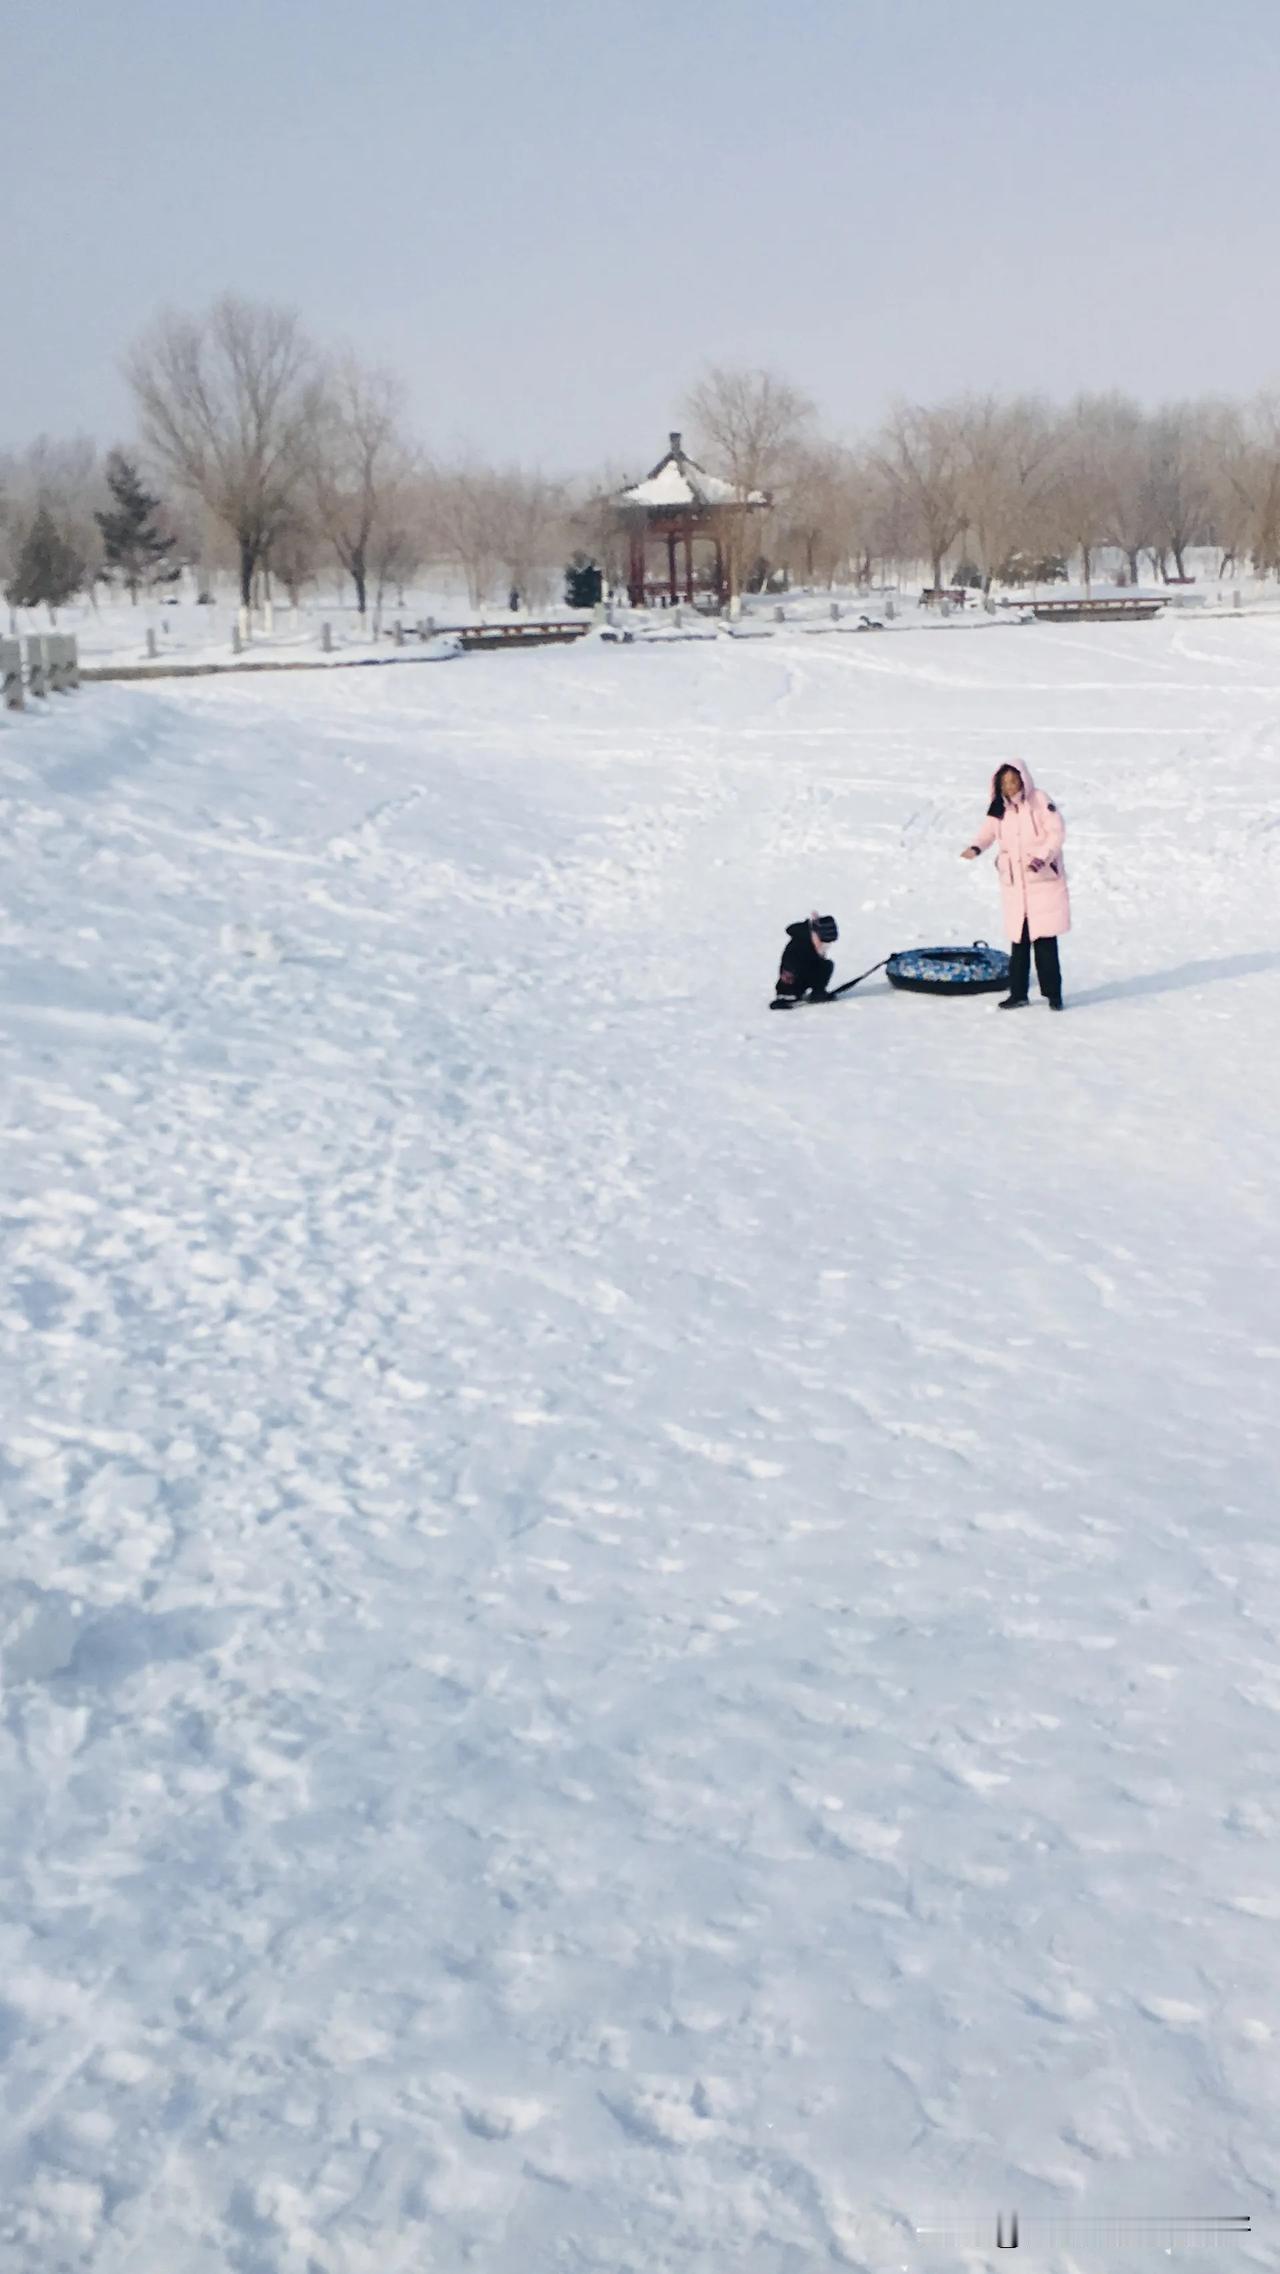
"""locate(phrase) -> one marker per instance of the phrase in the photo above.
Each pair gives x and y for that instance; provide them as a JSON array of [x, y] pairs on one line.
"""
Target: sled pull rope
[[848, 983]]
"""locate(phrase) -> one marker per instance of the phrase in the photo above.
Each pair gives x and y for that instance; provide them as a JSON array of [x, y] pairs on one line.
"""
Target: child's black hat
[[826, 928]]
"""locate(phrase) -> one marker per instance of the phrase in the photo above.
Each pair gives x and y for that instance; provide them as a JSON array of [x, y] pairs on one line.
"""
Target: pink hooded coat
[[1030, 830]]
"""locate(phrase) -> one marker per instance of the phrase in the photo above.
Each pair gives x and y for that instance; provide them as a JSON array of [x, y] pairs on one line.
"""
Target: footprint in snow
[[722, 1455], [1173, 2012]]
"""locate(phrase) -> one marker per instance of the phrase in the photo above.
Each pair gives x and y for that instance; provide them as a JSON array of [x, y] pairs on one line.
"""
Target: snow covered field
[[637, 1636]]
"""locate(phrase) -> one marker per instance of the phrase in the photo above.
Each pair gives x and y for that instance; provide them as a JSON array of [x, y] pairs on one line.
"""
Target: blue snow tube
[[976, 970]]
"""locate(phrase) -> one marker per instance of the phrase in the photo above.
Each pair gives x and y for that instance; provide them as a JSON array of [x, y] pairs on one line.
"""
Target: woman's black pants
[[1048, 969]]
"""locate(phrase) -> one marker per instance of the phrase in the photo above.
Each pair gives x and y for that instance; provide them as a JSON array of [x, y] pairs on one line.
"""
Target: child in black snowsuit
[[805, 969]]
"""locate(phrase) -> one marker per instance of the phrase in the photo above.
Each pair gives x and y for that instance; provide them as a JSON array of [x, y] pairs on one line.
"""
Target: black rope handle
[[832, 992]]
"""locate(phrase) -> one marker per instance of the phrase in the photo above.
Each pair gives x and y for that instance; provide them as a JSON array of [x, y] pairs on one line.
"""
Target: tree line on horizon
[[261, 457]]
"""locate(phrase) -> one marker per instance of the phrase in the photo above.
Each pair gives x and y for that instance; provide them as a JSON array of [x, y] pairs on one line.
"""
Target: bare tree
[[395, 558], [469, 513], [1230, 475], [1007, 457], [1259, 472], [752, 424], [11, 531], [532, 526], [402, 535], [361, 464], [1077, 509], [919, 455], [892, 536], [1244, 512], [1120, 440], [595, 524], [294, 554], [228, 404], [811, 527], [1180, 476]]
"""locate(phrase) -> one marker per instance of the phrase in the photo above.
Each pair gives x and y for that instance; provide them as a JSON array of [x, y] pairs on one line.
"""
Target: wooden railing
[[1133, 608]]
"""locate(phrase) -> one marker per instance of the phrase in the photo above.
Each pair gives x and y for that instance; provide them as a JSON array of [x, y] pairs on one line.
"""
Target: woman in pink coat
[[1028, 830]]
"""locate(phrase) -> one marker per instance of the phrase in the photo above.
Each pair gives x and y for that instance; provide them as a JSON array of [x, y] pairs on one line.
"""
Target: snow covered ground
[[636, 1636]]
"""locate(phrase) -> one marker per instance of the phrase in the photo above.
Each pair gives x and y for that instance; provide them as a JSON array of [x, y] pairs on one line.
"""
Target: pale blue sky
[[550, 214]]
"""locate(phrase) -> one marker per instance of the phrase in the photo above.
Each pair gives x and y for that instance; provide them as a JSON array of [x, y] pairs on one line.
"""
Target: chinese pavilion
[[677, 506]]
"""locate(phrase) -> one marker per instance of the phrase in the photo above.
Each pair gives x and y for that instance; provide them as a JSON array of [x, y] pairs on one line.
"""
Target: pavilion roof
[[678, 480]]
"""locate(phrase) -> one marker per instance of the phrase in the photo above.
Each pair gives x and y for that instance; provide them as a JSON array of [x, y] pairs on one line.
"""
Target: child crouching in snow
[[806, 970]]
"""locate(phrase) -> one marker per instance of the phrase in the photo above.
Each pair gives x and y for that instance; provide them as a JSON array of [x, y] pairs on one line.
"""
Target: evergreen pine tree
[[49, 569], [131, 542], [583, 582]]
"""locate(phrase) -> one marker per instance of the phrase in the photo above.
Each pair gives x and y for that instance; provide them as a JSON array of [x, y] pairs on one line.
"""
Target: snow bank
[[634, 1635]]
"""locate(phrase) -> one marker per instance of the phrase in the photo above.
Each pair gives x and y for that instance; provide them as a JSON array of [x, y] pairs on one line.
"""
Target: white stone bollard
[[835, 611], [236, 642], [244, 627], [152, 649], [37, 669], [11, 674], [73, 663], [326, 639]]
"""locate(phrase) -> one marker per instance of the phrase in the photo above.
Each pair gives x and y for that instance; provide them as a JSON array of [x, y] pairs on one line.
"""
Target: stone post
[[11, 674]]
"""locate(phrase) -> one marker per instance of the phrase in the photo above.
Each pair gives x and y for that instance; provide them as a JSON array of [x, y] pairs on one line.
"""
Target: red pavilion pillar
[[635, 572]]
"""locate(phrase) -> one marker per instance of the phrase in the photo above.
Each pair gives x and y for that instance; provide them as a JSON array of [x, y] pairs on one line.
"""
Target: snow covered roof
[[677, 480]]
